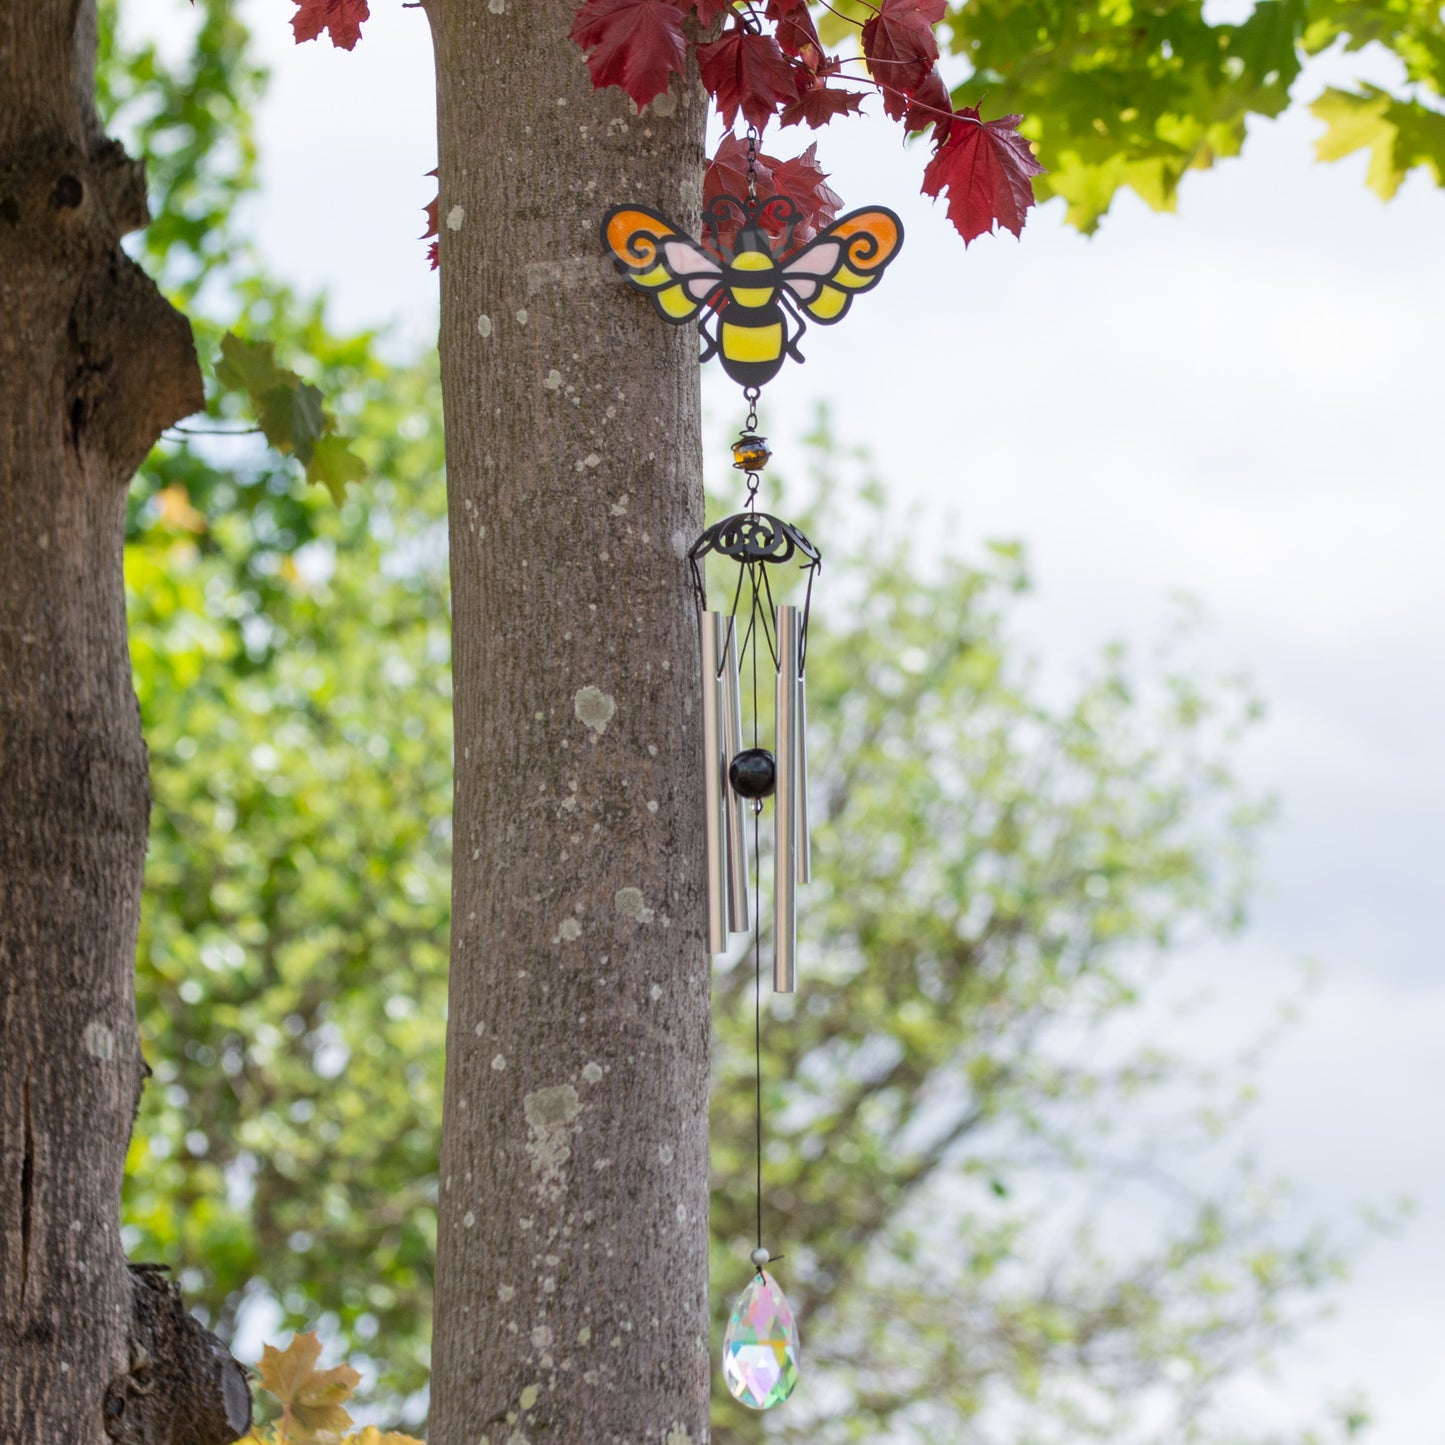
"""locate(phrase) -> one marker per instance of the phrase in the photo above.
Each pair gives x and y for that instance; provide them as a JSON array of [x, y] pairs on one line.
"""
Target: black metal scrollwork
[[751, 539], [754, 537]]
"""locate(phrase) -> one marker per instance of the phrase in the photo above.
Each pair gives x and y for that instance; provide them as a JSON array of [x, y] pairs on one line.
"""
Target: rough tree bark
[[93, 363], [572, 1263]]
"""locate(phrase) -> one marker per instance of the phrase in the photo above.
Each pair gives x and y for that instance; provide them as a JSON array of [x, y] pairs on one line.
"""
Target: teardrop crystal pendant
[[760, 1349]]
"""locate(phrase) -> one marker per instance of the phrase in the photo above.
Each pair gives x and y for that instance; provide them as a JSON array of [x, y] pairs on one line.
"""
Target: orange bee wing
[[844, 261], [657, 259]]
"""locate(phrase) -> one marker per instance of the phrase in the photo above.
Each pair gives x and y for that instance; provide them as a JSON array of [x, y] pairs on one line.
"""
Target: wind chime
[[748, 287]]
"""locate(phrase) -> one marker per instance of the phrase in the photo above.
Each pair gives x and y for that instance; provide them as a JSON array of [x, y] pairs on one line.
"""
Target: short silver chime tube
[[804, 871], [732, 717], [785, 806], [715, 780]]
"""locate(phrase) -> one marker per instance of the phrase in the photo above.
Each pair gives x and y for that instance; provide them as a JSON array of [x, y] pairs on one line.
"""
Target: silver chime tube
[[732, 717], [714, 784], [785, 806], [805, 839]]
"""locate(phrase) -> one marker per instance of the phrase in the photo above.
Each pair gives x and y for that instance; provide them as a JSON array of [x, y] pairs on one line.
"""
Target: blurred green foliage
[[292, 666], [956, 1111]]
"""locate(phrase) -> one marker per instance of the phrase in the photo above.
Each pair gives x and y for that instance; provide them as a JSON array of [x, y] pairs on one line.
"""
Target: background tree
[[93, 363]]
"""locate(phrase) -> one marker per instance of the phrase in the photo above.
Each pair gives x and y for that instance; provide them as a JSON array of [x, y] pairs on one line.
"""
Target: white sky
[[1242, 402]]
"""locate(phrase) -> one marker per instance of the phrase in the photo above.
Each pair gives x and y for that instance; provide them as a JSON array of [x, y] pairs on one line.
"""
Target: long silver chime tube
[[715, 783], [732, 717], [785, 806], [805, 837]]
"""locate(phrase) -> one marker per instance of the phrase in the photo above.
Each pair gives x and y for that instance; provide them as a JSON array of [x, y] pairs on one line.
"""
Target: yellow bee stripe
[[752, 295], [752, 343]]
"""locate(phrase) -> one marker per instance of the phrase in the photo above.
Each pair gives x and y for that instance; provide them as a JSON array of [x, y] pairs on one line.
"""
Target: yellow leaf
[[313, 1397], [176, 511], [372, 1436]]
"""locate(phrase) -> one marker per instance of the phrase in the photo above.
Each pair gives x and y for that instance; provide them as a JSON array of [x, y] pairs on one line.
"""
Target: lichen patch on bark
[[594, 708], [549, 1112], [631, 904]]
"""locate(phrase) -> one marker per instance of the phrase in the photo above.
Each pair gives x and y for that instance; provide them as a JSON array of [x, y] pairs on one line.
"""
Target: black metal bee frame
[[748, 297]]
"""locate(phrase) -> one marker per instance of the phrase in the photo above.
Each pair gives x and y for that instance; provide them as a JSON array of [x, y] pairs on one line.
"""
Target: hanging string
[[758, 1009], [753, 652], [753, 569]]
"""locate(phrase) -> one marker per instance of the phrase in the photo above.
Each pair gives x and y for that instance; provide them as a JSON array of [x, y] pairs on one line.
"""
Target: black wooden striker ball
[[753, 773]]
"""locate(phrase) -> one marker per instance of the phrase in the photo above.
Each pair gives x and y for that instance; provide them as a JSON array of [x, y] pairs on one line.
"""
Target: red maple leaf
[[633, 44], [727, 175], [796, 31], [986, 167], [898, 42], [748, 73], [801, 179], [342, 18], [727, 171], [804, 180], [930, 105], [433, 226], [819, 104]]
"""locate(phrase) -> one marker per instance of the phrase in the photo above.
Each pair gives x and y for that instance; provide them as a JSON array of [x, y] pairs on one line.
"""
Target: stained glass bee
[[749, 295]]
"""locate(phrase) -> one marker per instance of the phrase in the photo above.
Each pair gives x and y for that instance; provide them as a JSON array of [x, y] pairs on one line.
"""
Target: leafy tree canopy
[[1112, 93], [1117, 93]]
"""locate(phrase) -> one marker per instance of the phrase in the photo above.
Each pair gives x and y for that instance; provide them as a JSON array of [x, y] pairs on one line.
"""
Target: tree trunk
[[572, 1259], [93, 363]]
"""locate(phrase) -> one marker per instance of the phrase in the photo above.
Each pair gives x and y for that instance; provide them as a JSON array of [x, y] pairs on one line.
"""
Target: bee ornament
[[749, 298]]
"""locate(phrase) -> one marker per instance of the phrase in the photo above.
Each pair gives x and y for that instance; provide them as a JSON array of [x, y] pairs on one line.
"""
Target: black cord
[[758, 1011], [753, 638]]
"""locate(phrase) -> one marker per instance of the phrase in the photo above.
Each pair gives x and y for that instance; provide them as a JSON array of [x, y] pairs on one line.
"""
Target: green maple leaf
[[292, 417], [1360, 122], [332, 464], [291, 413], [248, 366]]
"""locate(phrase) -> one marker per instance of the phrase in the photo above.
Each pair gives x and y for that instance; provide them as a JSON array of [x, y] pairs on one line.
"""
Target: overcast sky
[[1240, 402]]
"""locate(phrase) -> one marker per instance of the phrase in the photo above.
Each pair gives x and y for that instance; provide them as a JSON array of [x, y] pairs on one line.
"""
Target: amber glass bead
[[750, 454]]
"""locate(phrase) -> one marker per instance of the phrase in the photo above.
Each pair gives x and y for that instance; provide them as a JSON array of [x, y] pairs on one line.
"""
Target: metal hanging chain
[[751, 393], [750, 427]]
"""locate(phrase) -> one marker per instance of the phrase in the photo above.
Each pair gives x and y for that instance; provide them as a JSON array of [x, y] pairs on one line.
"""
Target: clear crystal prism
[[760, 1348]]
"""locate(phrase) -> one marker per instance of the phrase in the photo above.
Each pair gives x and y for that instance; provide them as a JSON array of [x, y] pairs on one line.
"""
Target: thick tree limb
[[182, 1387]]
